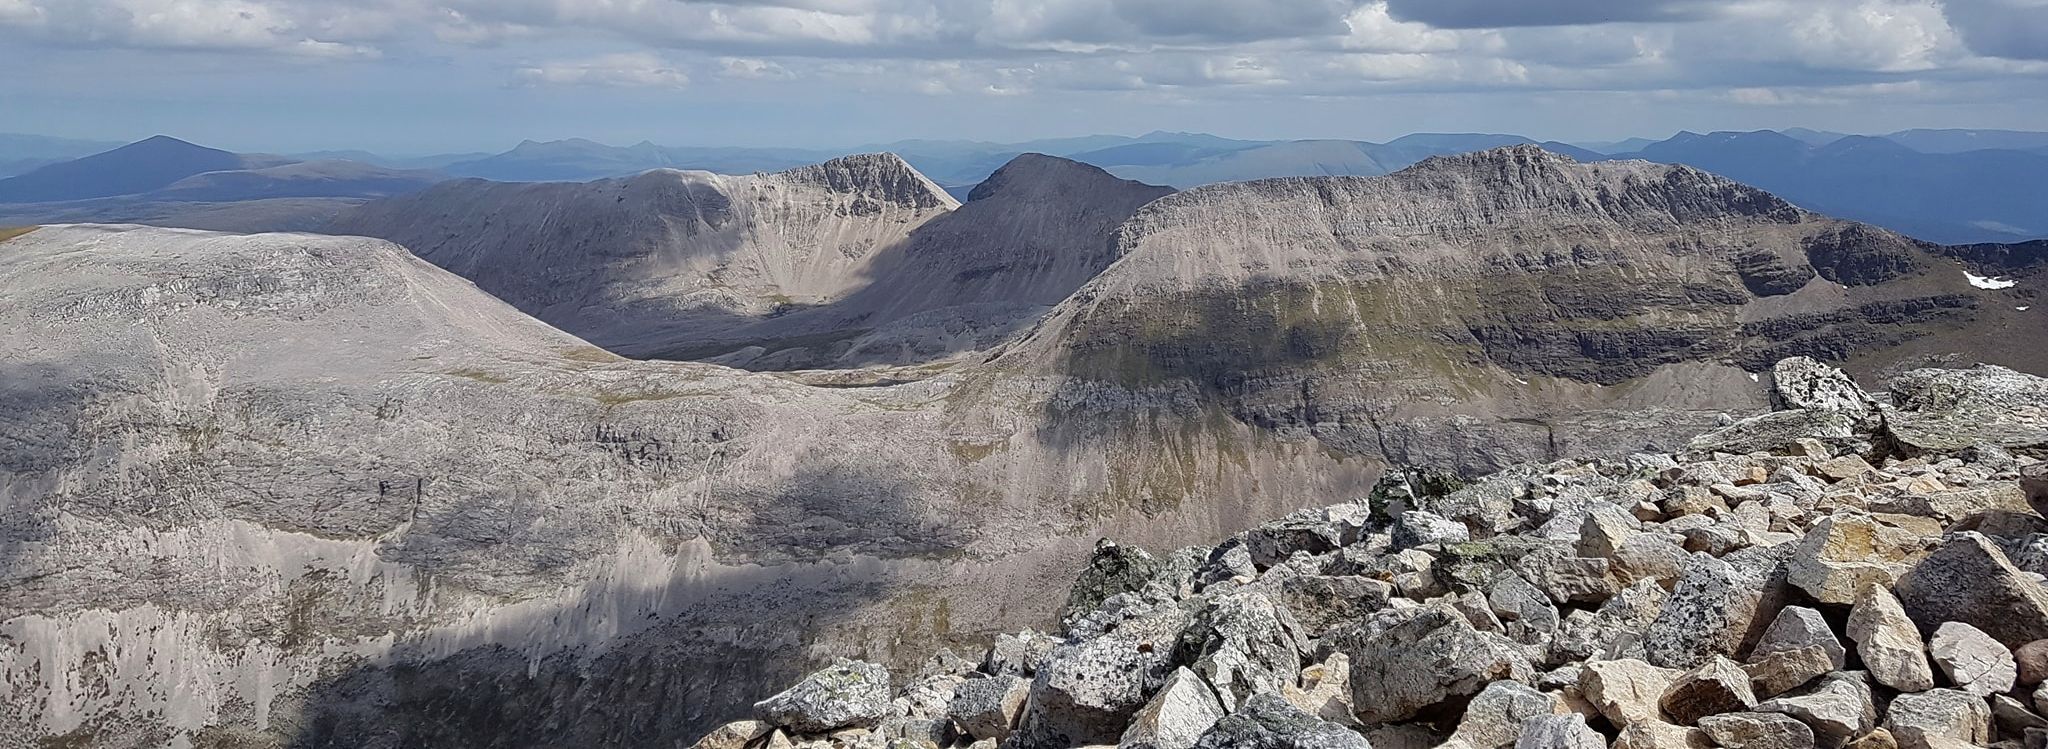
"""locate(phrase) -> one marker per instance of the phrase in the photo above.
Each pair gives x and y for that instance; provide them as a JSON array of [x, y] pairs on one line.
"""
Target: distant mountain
[[578, 160], [134, 168], [1629, 145], [435, 161], [16, 147], [308, 179], [1971, 196], [1957, 141], [1812, 137], [1300, 158]]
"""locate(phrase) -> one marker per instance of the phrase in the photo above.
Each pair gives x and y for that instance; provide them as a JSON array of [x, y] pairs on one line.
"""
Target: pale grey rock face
[[1494, 718], [1839, 708], [1243, 644], [1799, 627], [1266, 721], [1757, 731], [1559, 732], [1177, 717], [1971, 660], [1921, 720], [849, 694], [1432, 655], [1887, 641]]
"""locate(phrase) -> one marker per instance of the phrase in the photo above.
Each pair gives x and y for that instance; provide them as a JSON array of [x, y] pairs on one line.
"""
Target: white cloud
[[748, 69], [626, 70]]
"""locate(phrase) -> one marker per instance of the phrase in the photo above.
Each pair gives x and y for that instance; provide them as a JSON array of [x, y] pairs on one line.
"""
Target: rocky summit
[[1832, 573]]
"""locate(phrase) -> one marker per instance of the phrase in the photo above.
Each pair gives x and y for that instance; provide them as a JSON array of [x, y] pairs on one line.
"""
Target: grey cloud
[[2014, 29], [1236, 20], [1487, 14]]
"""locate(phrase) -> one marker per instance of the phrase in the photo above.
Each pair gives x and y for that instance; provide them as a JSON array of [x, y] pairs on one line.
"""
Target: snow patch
[[1754, 377], [2023, 309], [1984, 282]]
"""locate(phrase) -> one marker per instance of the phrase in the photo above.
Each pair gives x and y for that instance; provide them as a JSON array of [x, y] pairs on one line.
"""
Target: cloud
[[288, 28], [1235, 20], [2014, 29], [627, 70], [746, 69], [1490, 14]]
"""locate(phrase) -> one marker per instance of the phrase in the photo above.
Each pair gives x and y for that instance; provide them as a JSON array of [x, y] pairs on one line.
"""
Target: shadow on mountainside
[[668, 647]]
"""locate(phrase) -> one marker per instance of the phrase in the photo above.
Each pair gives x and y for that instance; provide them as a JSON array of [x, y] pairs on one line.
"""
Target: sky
[[423, 76]]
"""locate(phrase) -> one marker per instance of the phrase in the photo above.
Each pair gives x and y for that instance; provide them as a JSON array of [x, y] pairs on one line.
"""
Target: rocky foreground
[[1848, 570]]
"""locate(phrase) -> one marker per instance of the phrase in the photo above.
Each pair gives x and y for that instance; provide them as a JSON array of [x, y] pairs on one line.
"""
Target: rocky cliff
[[1847, 570]]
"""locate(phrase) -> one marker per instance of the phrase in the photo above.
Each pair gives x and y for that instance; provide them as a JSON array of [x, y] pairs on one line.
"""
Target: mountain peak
[[883, 176], [1519, 156], [1038, 175]]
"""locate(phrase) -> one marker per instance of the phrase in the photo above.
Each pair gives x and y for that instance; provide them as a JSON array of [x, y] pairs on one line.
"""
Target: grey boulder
[[849, 694]]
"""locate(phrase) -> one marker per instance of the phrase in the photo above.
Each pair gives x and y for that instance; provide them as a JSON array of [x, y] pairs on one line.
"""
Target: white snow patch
[[1754, 377], [1983, 282], [2023, 309]]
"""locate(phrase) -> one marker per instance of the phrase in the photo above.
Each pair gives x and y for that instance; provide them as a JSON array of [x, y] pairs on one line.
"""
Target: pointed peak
[[883, 176]]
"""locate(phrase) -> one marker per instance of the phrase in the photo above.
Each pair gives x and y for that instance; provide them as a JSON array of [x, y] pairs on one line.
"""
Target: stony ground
[[1848, 570]]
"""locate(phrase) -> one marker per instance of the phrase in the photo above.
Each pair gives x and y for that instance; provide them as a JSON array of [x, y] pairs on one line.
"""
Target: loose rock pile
[[1841, 572]]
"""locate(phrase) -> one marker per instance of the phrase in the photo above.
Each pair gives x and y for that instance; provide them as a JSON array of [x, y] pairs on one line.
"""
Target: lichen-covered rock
[[1494, 718], [1176, 717], [1243, 644], [1709, 613], [1786, 670], [1970, 580], [1844, 552], [1940, 410], [988, 708], [1266, 721], [1112, 569], [1839, 707], [1919, 720], [1888, 642], [1324, 690], [1420, 528], [850, 693], [1715, 687], [1018, 654], [1430, 656], [1757, 731], [735, 735], [1971, 660]]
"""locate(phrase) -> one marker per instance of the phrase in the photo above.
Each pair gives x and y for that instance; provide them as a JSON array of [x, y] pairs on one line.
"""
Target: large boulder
[[989, 708], [1087, 689], [1757, 731], [1971, 660], [1242, 643], [1888, 642], [1176, 717], [1715, 687], [1944, 410], [1839, 708], [1626, 691], [1493, 720], [1266, 721], [849, 694], [1922, 720], [1970, 580], [1711, 612], [1560, 732], [1112, 569], [1797, 628], [1846, 551], [1431, 656]]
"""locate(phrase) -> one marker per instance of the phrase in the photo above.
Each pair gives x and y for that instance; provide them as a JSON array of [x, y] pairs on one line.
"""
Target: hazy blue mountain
[[1299, 158], [579, 160], [134, 168], [307, 179], [1408, 150], [1628, 145], [1813, 137], [1957, 141], [1970, 196], [16, 147]]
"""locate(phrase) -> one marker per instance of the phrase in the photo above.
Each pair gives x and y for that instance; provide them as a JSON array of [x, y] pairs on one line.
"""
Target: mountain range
[[299, 489], [1949, 186]]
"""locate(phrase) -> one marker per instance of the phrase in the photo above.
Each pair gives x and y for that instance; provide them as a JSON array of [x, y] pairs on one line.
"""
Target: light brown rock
[[1888, 642], [1715, 687], [1626, 691]]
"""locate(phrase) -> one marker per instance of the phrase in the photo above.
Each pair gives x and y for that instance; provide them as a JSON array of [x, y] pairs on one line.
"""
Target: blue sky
[[416, 76]]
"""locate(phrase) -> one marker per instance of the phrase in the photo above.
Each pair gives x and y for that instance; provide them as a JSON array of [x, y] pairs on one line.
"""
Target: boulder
[[1946, 410], [1177, 715], [1839, 707], [1112, 569], [1710, 612], [1970, 580], [2031, 660], [1430, 656], [1797, 628], [1715, 687], [1421, 528], [1320, 602], [1242, 643], [1626, 691], [1018, 654], [988, 708], [1559, 732], [735, 735], [1844, 552], [1921, 719], [847, 694], [927, 696], [1888, 642], [1086, 691], [1616, 630], [1661, 735], [2010, 717], [1971, 660], [1757, 731], [1525, 612], [1606, 528], [1877, 739], [1266, 721], [1324, 690], [1786, 670], [1493, 720]]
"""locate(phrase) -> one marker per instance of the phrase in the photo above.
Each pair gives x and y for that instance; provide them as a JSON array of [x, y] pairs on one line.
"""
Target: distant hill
[[1957, 141], [308, 179], [577, 160], [134, 168], [1970, 196]]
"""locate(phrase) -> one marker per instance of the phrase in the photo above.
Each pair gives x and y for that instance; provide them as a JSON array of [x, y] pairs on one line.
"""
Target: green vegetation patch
[[10, 232]]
